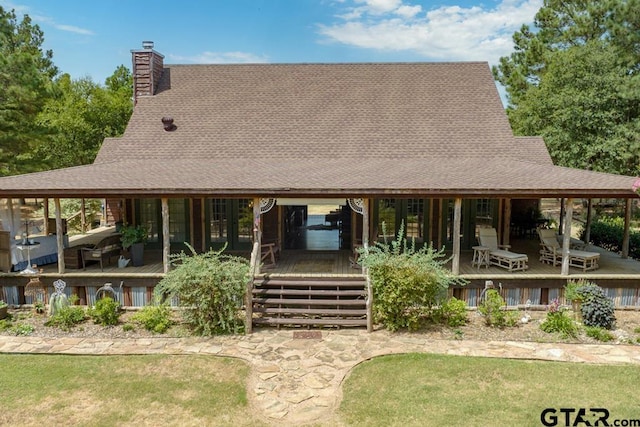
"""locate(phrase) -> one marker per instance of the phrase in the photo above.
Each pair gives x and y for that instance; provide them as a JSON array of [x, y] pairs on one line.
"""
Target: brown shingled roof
[[534, 149], [322, 129], [320, 110]]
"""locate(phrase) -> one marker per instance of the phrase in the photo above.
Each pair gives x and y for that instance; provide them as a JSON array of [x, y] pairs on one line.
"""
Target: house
[[213, 153]]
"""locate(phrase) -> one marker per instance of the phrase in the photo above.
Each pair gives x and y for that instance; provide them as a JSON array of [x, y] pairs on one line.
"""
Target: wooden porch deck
[[612, 266], [337, 263]]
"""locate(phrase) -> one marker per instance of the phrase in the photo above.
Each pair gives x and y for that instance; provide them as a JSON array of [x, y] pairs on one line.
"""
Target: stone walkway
[[297, 376]]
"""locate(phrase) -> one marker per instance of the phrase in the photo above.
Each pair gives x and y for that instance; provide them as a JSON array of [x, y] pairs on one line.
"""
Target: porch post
[[457, 213], [203, 210], [45, 207], [440, 223], [627, 225], [166, 244], [257, 232], [365, 222], [365, 244], [12, 219], [506, 222], [83, 215], [59, 236], [561, 219], [566, 236], [587, 225]]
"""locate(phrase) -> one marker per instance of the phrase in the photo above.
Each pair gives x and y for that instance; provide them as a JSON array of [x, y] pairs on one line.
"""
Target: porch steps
[[309, 301]]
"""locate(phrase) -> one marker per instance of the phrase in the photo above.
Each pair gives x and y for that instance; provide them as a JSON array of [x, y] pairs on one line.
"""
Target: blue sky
[[93, 37]]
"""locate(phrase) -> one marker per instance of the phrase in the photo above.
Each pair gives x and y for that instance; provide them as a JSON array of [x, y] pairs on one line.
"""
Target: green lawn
[[123, 390], [400, 390], [436, 390]]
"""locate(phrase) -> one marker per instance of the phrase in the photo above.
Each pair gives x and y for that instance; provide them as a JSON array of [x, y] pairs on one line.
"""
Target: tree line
[[574, 78], [47, 119]]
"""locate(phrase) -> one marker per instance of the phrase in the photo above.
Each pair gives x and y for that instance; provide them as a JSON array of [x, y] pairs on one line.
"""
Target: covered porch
[[539, 283]]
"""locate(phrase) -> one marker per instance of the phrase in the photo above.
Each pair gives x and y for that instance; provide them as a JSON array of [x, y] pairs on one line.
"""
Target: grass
[[123, 390], [398, 390], [437, 390]]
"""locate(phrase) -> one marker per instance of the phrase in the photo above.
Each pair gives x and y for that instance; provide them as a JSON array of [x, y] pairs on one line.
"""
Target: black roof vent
[[168, 124]]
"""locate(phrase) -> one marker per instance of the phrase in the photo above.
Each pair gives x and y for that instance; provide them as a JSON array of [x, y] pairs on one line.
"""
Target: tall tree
[[574, 80], [82, 115], [26, 72]]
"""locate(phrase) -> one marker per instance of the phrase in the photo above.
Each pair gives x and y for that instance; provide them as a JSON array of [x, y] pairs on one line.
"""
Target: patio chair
[[269, 251], [499, 254], [551, 252]]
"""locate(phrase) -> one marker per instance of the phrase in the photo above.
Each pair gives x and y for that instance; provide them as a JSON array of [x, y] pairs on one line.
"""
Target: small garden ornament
[[58, 299]]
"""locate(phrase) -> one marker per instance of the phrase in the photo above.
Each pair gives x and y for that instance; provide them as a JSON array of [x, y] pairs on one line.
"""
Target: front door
[[229, 221]]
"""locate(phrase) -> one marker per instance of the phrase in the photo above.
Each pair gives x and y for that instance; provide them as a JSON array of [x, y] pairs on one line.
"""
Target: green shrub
[[127, 327], [5, 324], [407, 283], [22, 329], [453, 312], [154, 318], [597, 309], [571, 290], [557, 321], [493, 308], [106, 312], [67, 318], [599, 334], [608, 233], [210, 287]]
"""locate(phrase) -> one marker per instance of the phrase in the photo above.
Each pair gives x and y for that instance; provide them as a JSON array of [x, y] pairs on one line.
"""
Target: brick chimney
[[147, 70]]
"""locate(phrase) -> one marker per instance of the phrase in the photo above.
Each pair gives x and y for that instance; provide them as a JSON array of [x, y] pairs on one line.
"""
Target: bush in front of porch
[[210, 288], [408, 284]]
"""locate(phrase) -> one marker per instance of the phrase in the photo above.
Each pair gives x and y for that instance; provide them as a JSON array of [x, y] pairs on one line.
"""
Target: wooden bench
[[105, 249]]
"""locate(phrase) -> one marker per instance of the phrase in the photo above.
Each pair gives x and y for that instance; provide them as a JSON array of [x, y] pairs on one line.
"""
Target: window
[[245, 220], [415, 220], [218, 220], [149, 218], [177, 220], [386, 216]]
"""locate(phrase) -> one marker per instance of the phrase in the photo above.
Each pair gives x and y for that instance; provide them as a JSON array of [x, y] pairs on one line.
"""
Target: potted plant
[[573, 297], [39, 307], [3, 309], [133, 237]]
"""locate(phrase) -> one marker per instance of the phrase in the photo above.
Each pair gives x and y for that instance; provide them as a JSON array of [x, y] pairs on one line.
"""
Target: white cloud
[[381, 6], [450, 33], [41, 19], [408, 11], [74, 29], [220, 58]]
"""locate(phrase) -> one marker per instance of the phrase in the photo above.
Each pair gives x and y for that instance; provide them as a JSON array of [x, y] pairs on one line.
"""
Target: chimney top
[[148, 66]]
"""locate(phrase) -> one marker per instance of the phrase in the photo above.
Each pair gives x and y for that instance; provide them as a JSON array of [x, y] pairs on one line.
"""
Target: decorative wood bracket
[[357, 205], [266, 205]]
